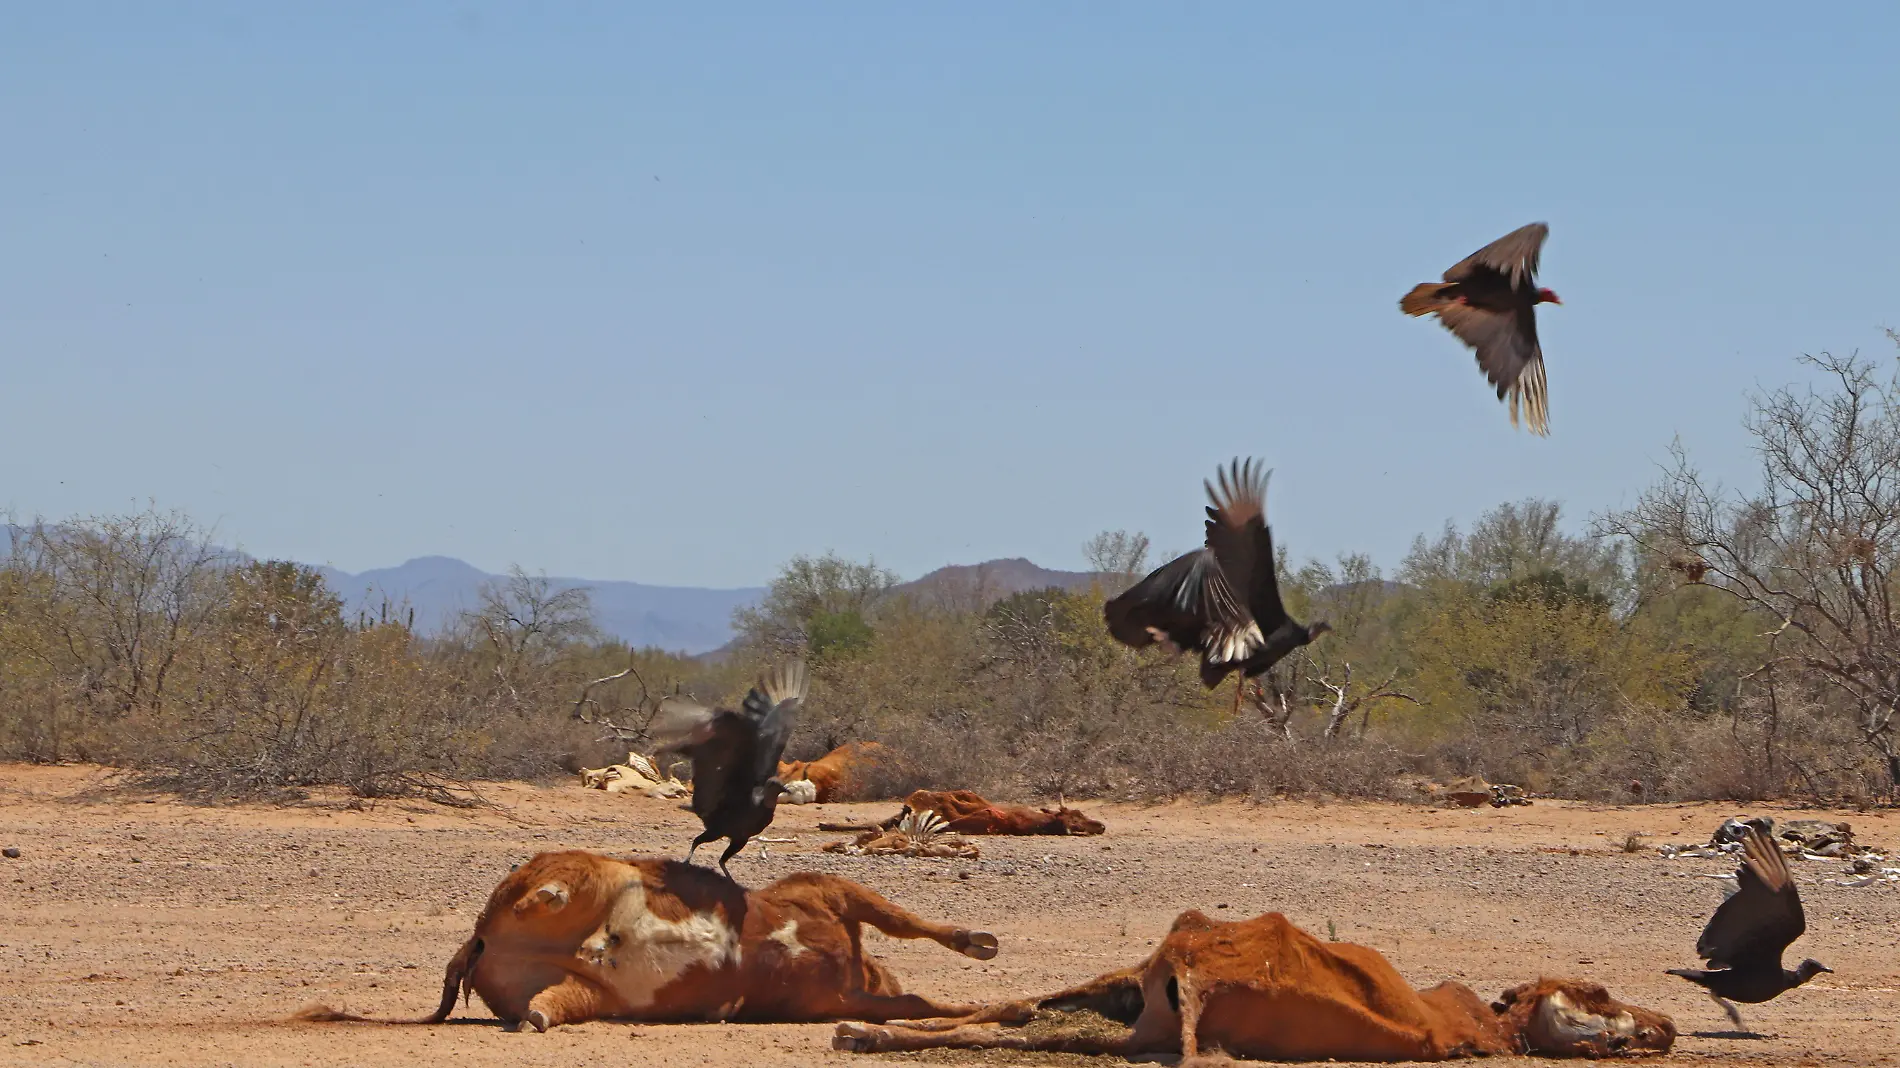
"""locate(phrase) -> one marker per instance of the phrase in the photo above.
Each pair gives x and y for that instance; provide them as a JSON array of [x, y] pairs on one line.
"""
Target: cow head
[[1072, 822], [1572, 1018]]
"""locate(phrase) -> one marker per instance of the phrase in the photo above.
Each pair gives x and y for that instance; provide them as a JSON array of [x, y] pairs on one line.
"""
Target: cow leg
[[572, 1000], [1191, 1001], [862, 1005], [857, 1038], [864, 905]]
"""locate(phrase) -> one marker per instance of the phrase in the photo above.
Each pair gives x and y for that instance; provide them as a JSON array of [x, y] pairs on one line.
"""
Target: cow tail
[[458, 978]]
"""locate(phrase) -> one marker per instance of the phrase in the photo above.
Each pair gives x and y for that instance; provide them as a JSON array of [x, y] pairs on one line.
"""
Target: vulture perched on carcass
[[735, 756], [1221, 601], [1489, 299], [1749, 932]]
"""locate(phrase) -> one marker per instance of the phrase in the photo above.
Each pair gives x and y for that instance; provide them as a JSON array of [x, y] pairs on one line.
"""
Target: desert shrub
[[130, 640]]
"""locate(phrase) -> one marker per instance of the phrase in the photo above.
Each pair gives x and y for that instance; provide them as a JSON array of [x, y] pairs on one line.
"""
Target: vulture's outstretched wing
[[1761, 918], [1513, 257], [677, 721], [1505, 343], [1190, 602], [1238, 535], [772, 706]]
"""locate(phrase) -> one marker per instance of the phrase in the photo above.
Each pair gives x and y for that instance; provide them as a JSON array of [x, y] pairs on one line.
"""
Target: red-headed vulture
[[1489, 300]]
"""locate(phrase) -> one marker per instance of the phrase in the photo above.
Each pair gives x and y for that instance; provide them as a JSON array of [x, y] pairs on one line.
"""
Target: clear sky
[[672, 292]]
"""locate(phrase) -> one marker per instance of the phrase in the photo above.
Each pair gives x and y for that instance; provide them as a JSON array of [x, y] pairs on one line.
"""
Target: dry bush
[[129, 640]]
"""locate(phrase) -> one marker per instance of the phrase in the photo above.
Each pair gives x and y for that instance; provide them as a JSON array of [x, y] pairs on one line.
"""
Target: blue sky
[[671, 293]]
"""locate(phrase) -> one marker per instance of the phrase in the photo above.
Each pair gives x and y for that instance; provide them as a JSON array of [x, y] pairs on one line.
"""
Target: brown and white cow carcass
[[966, 812], [1263, 988], [573, 936]]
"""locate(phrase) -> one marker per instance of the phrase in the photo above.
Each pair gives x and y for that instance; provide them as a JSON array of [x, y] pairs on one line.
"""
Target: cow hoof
[[536, 1020], [853, 1038], [979, 944]]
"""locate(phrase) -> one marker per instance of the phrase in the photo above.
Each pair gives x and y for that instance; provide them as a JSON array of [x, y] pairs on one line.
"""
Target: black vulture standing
[[1221, 601], [1749, 931], [735, 756], [1489, 299]]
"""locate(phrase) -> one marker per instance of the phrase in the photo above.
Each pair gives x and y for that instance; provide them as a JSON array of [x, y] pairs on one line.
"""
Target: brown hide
[[573, 936], [1264, 989], [968, 813], [839, 774]]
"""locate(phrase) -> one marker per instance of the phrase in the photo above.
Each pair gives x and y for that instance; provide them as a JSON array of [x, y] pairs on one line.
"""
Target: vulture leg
[[732, 847], [1240, 683], [1734, 1016], [697, 842]]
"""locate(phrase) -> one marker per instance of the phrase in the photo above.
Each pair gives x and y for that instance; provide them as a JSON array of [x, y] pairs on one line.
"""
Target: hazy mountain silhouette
[[686, 619], [974, 587]]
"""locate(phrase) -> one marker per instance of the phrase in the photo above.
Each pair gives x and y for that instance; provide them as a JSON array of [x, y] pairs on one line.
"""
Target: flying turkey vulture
[[1221, 601], [1746, 936], [1489, 299], [735, 756]]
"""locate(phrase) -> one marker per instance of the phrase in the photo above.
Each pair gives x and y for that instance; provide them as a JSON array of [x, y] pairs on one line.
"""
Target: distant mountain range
[[682, 619]]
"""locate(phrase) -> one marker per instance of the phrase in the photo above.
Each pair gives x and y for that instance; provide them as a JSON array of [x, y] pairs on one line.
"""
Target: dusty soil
[[142, 930]]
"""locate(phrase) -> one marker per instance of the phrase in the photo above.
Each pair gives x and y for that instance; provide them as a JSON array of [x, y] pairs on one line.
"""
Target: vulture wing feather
[[773, 707], [1761, 918], [1513, 256], [1237, 533]]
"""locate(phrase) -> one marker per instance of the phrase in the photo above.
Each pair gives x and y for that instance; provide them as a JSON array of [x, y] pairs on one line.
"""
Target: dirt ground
[[145, 931]]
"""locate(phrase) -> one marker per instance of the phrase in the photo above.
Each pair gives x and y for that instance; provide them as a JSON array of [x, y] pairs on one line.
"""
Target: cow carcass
[[966, 812], [1263, 988], [839, 775], [573, 936]]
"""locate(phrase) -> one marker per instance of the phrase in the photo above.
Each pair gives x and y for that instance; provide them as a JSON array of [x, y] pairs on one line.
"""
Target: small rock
[[11, 852]]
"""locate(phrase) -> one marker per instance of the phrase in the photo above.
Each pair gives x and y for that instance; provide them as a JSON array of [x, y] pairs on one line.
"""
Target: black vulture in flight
[[1749, 931], [1489, 300], [735, 755], [1221, 601]]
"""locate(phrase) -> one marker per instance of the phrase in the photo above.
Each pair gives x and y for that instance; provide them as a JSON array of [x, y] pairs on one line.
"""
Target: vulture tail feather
[[1425, 298]]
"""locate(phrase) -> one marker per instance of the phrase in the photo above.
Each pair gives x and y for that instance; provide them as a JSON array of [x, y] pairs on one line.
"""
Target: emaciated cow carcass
[[964, 812], [838, 775], [573, 936], [1263, 988]]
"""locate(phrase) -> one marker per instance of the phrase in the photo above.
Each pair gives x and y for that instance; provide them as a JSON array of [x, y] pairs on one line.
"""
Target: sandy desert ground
[[145, 931]]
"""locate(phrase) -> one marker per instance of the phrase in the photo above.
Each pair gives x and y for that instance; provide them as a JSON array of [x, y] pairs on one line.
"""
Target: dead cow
[[838, 775], [1263, 988], [574, 936], [965, 812]]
